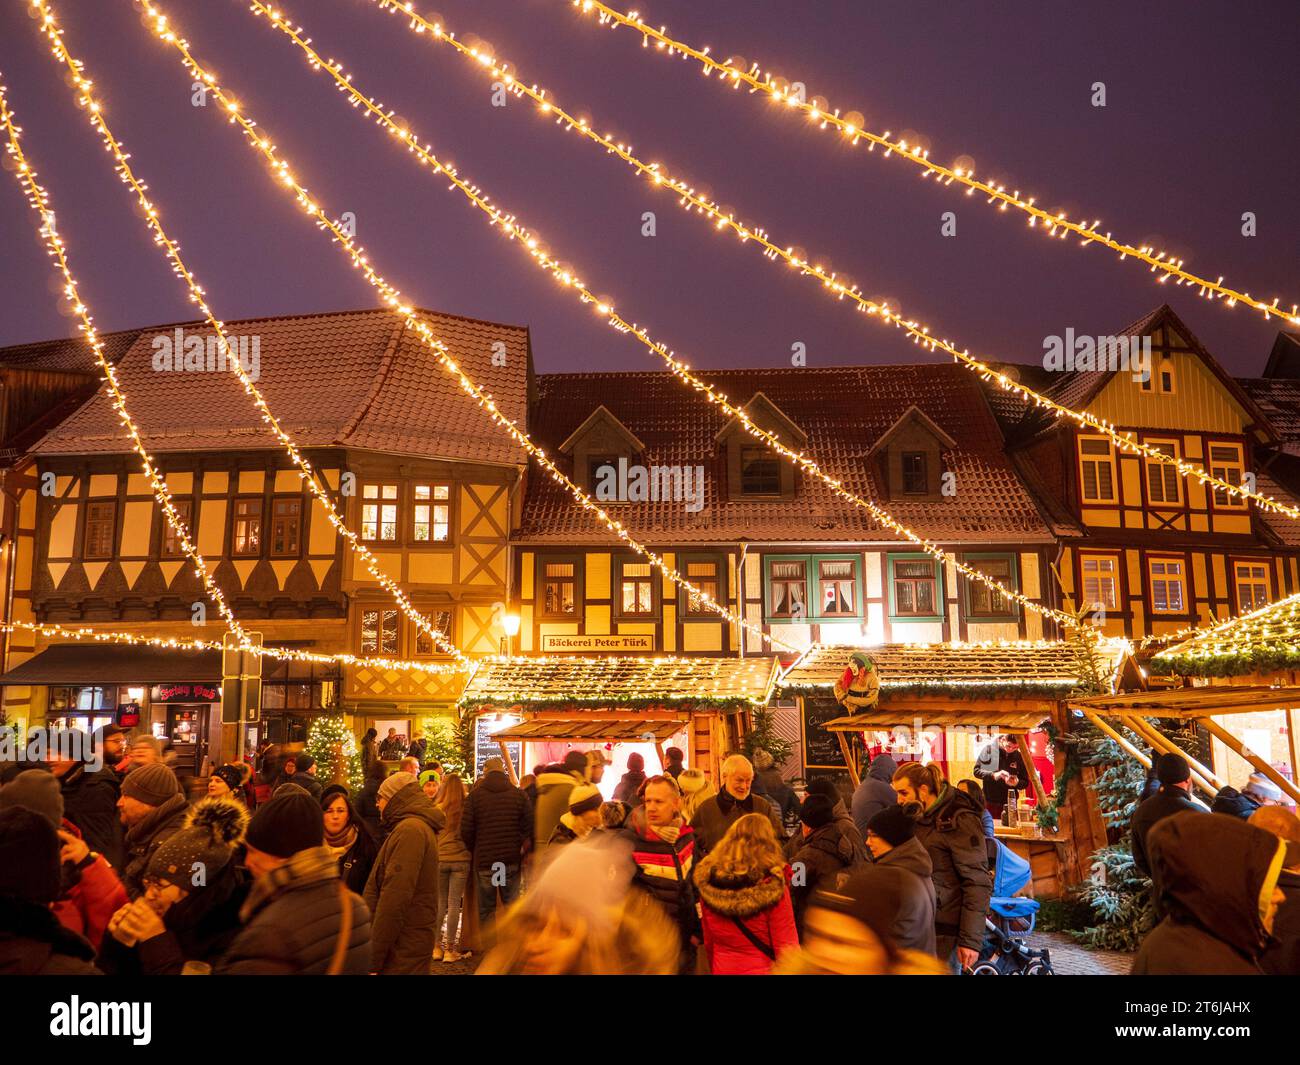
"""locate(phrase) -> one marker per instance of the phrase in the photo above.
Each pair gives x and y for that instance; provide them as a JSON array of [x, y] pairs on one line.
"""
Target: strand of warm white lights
[[725, 220], [308, 475], [1292, 602], [84, 634], [392, 298], [532, 248], [39, 201], [850, 126]]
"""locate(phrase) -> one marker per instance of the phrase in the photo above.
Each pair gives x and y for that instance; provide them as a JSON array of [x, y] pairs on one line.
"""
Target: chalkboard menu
[[821, 748], [486, 747]]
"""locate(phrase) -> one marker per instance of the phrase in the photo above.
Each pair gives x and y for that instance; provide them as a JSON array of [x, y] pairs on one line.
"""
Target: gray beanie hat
[[395, 783], [36, 790]]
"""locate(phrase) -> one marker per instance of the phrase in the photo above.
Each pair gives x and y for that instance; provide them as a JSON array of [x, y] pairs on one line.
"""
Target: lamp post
[[510, 623]]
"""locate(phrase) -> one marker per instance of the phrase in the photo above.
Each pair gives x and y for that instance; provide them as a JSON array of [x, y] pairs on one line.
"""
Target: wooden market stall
[[584, 702], [972, 690]]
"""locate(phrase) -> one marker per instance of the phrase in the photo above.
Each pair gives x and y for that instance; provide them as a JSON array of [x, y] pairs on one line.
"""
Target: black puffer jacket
[[907, 875], [293, 918], [1233, 803], [1164, 803], [952, 832], [402, 892], [90, 803], [1212, 870], [497, 823], [817, 863]]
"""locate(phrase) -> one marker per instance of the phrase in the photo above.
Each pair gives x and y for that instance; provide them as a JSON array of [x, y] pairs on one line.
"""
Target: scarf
[[726, 801], [306, 867], [139, 834], [668, 833], [342, 843]]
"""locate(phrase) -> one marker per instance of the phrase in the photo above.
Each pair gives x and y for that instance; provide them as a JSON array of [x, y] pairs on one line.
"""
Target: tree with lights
[[338, 758]]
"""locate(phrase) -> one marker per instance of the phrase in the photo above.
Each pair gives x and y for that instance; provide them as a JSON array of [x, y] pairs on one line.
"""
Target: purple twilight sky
[[1199, 128]]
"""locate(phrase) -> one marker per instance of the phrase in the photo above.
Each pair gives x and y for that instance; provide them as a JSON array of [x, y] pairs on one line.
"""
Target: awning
[[99, 663], [985, 720], [589, 730]]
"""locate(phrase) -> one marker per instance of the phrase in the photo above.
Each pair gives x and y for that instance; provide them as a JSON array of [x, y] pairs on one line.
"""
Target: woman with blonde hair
[[453, 871], [745, 900], [695, 789]]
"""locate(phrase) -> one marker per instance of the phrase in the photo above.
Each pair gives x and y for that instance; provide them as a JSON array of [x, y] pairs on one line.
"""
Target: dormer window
[[760, 472], [908, 457], [754, 469], [915, 478], [596, 446]]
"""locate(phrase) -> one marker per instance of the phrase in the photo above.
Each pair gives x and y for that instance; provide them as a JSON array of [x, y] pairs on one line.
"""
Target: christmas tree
[[762, 736], [330, 740]]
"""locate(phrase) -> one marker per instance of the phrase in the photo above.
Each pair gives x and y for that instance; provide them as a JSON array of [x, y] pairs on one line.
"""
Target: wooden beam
[[1127, 747], [846, 749], [1207, 779], [659, 750], [1032, 770], [1234, 744], [1291, 745], [510, 765]]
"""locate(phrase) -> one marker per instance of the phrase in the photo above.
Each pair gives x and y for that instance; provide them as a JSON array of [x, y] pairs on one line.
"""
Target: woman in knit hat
[[696, 790], [348, 837], [582, 816], [193, 889], [226, 783]]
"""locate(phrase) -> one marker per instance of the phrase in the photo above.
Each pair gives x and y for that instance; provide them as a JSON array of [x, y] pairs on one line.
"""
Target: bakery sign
[[184, 693], [571, 643]]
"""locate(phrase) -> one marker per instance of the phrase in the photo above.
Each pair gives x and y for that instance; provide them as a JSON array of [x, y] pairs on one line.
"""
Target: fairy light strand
[[392, 298], [779, 91], [724, 220], [49, 26], [524, 240]]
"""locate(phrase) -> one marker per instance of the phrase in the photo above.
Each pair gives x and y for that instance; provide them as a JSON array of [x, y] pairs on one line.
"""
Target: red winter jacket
[[87, 906], [762, 905]]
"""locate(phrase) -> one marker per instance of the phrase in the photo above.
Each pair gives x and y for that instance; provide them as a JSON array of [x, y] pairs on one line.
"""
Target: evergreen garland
[[328, 734]]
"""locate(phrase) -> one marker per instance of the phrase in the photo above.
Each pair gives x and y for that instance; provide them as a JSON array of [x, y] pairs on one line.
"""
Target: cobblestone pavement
[[1071, 959]]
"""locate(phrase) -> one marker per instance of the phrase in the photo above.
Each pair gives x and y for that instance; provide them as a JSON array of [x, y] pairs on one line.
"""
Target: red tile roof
[[351, 379], [844, 410], [70, 355]]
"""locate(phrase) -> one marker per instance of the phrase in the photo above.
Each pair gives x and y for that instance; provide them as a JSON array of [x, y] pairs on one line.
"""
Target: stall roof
[[587, 730], [963, 670], [99, 663], [888, 718], [596, 682], [1263, 641]]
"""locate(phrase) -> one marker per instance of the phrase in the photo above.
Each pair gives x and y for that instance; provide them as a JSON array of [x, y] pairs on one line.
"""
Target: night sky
[[1199, 127]]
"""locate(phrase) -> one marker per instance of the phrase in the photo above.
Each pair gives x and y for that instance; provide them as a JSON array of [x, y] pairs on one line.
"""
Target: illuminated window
[[1163, 480], [916, 587], [246, 527], [432, 512], [1251, 579], [379, 632], [286, 527], [787, 589], [424, 644], [1097, 469], [983, 601], [635, 590], [559, 588], [101, 523], [705, 574], [1100, 581], [837, 582], [171, 540], [1227, 464], [379, 512], [1167, 592]]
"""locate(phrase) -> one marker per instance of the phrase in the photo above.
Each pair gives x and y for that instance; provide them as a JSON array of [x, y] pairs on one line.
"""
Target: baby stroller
[[1010, 919]]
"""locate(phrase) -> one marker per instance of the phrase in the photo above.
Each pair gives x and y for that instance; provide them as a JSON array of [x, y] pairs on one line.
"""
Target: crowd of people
[[109, 866]]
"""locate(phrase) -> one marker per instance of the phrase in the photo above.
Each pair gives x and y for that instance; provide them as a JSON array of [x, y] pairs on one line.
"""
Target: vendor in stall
[[1001, 769]]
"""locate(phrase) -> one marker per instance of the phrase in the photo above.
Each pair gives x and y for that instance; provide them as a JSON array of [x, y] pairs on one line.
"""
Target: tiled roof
[[600, 682], [843, 410], [1279, 399], [1039, 667], [352, 379], [1263, 641], [1286, 529], [70, 355]]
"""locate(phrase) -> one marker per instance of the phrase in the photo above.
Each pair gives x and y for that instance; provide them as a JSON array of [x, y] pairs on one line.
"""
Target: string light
[[392, 298], [86, 634], [39, 201], [850, 126], [54, 33], [724, 220], [526, 242]]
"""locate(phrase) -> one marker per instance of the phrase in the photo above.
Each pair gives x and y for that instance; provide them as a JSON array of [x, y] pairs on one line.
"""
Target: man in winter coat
[[90, 795], [152, 808], [1174, 797], [663, 851], [768, 776], [1001, 768], [818, 858], [582, 817], [32, 941], [553, 787], [90, 892], [497, 827], [875, 792], [402, 892], [903, 867], [305, 775], [1218, 883], [853, 848], [717, 814], [949, 827], [298, 918], [1282, 956], [628, 789]]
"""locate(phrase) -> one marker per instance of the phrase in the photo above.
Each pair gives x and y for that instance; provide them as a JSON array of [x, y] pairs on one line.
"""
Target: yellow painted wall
[[701, 638], [103, 484], [597, 576], [136, 528], [63, 530], [212, 527], [597, 617], [251, 482], [432, 567], [1199, 401]]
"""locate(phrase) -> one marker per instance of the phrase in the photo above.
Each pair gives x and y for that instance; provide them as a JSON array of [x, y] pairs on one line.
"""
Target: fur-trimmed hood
[[737, 897]]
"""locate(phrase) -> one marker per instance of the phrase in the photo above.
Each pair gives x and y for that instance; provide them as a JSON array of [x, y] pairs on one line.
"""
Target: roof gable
[[914, 415], [766, 415], [603, 417]]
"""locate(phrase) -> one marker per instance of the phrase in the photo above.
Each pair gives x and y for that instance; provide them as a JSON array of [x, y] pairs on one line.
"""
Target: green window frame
[[939, 597], [1012, 613], [816, 586]]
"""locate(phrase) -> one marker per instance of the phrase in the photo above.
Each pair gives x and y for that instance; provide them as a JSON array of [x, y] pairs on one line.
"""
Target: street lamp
[[510, 623]]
